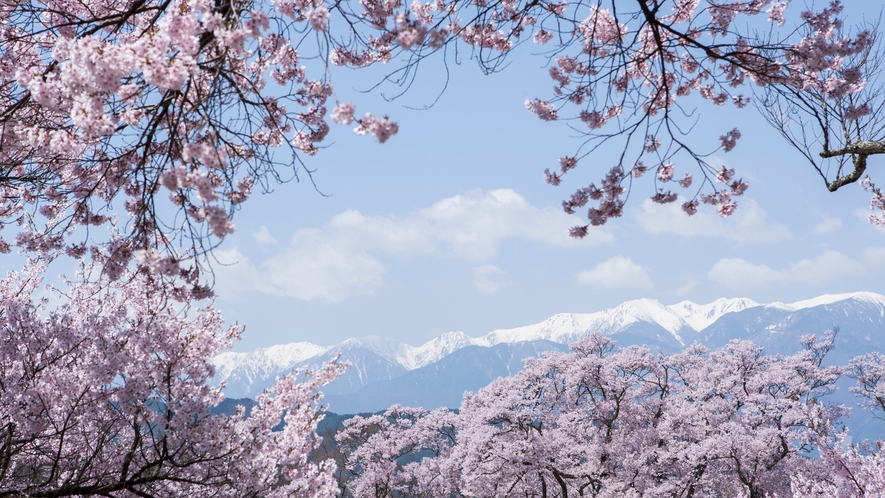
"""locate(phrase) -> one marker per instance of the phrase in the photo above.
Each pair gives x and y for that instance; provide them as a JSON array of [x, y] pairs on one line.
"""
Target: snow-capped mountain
[[860, 318], [241, 370], [374, 359], [700, 316], [674, 326], [861, 297]]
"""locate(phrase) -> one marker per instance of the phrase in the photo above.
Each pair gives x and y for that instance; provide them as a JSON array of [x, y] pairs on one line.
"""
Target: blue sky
[[450, 226]]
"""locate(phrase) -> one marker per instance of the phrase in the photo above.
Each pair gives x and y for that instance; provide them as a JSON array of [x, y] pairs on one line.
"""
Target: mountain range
[[384, 371]]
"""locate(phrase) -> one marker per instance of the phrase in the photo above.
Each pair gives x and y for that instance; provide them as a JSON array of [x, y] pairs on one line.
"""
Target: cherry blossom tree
[[173, 109], [609, 421], [107, 395], [156, 119], [177, 109], [859, 470], [382, 442]]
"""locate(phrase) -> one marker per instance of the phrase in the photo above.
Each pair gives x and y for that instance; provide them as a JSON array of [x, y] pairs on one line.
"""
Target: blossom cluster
[[108, 101], [622, 70], [607, 421], [110, 391]]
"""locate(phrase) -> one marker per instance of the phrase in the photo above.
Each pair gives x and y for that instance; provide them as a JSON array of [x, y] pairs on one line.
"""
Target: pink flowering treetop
[[107, 395], [175, 110], [608, 421]]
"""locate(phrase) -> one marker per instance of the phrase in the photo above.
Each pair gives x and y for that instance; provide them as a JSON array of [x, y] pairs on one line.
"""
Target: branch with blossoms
[[838, 121], [176, 110], [635, 68], [877, 202], [108, 394], [622, 71]]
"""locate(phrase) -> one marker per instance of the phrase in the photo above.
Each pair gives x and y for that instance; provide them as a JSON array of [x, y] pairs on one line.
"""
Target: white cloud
[[618, 272], [874, 258], [740, 274], [749, 224], [311, 267], [234, 273], [473, 226], [319, 265], [263, 236], [687, 287], [339, 260], [470, 226], [483, 279], [828, 225]]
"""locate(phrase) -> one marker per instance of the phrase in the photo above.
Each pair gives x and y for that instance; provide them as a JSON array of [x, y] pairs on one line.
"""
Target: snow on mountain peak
[[272, 359], [435, 349], [562, 327], [408, 356], [566, 327], [391, 349], [701, 316], [649, 310], [868, 297], [648, 318]]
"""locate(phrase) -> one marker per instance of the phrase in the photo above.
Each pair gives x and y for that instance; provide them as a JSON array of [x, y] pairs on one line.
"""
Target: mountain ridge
[[641, 321]]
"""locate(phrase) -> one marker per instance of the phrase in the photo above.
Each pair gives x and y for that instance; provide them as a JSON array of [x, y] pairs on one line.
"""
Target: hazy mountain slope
[[371, 360], [778, 328], [443, 383]]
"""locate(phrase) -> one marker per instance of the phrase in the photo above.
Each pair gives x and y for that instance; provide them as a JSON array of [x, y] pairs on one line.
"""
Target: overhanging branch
[[860, 151]]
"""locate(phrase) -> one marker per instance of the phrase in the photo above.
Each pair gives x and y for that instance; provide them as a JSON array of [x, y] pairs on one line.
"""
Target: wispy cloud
[[341, 258], [749, 224], [874, 258], [301, 272], [263, 237], [619, 272], [828, 225], [484, 279], [740, 274]]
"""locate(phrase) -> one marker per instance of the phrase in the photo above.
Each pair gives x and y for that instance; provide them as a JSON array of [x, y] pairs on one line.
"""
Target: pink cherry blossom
[[686, 181], [665, 172], [542, 109], [664, 197], [652, 143], [690, 207], [724, 175], [638, 169], [729, 140], [382, 128], [609, 421], [343, 113], [542, 37], [567, 163], [110, 389]]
